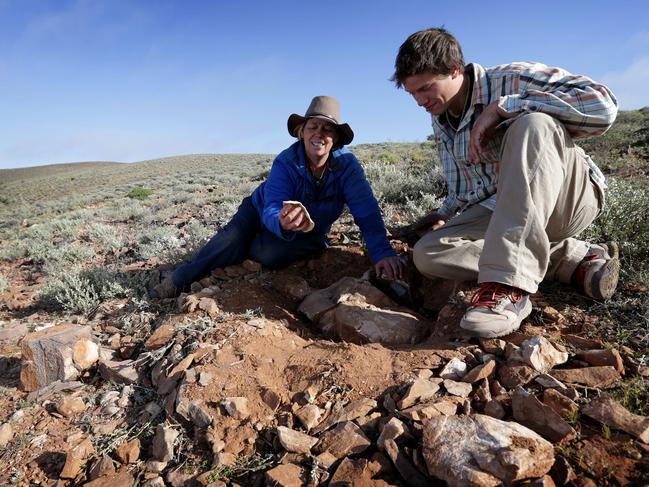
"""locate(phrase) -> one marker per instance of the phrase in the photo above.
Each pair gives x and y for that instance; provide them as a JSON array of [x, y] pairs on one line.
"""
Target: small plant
[[573, 417], [139, 193], [606, 432], [634, 396]]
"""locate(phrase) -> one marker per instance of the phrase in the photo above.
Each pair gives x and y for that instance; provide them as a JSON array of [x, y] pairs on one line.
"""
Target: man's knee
[[424, 253], [533, 123]]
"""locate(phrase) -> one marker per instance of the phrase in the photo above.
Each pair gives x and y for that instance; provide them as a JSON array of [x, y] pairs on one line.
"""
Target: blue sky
[[129, 80]]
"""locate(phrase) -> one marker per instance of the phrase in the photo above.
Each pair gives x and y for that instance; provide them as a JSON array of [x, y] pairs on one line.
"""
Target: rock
[[199, 414], [493, 345], [545, 481], [541, 355], [343, 440], [392, 430], [494, 409], [480, 450], [159, 482], [293, 286], [364, 323], [547, 381], [531, 412], [608, 411], [461, 389], [160, 337], [237, 407], [251, 265], [48, 355], [309, 415], [69, 406], [102, 467], [455, 369], [430, 409], [85, 353], [294, 441], [403, 465], [321, 301], [6, 434], [288, 475], [128, 452], [122, 372], [354, 409], [560, 404], [76, 459], [424, 373], [163, 443], [271, 398], [600, 377], [355, 473], [582, 342], [607, 356], [561, 472], [515, 375], [480, 372], [13, 331], [419, 391], [205, 378], [209, 306], [121, 479]]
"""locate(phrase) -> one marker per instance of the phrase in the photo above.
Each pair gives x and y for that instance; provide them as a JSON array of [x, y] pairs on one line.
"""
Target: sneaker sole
[[604, 283], [515, 325]]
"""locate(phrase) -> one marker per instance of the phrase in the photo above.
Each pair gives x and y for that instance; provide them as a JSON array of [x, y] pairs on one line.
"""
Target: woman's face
[[319, 138]]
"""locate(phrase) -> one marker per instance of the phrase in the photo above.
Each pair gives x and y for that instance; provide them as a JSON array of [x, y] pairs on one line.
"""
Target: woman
[[288, 216]]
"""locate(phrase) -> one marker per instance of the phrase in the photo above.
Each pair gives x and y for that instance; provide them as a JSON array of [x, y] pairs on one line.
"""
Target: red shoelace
[[490, 293]]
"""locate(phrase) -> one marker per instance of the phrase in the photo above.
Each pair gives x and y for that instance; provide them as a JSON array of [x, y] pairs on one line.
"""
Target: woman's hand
[[391, 268], [294, 219]]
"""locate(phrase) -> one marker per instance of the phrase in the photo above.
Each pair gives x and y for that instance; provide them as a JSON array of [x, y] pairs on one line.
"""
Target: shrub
[[105, 235], [161, 242], [84, 289], [4, 283], [12, 250], [140, 193], [624, 219]]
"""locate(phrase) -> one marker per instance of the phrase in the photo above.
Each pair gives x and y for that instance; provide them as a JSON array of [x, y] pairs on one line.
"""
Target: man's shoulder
[[522, 68]]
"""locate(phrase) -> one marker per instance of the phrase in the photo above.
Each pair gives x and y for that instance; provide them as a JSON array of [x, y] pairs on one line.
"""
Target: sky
[[131, 80]]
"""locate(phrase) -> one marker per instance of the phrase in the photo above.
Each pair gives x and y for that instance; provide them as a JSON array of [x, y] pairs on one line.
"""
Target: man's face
[[433, 92]]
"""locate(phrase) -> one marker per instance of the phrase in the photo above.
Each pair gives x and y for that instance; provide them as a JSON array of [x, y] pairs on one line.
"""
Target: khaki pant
[[545, 197]]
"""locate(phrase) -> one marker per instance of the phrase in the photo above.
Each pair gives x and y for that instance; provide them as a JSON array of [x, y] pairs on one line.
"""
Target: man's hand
[[483, 131], [432, 221], [391, 268], [294, 219]]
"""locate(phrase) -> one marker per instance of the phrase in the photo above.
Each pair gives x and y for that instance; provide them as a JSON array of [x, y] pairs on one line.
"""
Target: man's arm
[[584, 107]]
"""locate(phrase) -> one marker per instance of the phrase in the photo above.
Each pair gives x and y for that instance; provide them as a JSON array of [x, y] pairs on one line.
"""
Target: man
[[519, 189]]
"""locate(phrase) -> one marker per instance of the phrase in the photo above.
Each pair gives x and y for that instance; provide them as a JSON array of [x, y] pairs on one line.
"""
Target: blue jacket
[[344, 183]]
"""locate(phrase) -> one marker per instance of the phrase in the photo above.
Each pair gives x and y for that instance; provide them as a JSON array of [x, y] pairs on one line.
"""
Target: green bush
[[140, 193]]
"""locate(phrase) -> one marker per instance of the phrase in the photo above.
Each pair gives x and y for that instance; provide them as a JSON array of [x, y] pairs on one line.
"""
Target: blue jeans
[[245, 237]]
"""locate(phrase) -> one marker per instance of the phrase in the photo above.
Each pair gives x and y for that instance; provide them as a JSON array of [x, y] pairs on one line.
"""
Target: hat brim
[[345, 132]]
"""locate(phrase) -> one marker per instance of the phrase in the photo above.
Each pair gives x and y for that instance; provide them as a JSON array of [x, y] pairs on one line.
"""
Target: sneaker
[[165, 290], [496, 310], [597, 274]]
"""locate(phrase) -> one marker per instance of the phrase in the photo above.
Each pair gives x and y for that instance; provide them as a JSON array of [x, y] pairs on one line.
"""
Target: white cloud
[[630, 85]]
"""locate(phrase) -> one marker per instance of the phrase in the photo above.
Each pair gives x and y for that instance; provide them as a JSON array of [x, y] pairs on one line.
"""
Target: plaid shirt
[[584, 107]]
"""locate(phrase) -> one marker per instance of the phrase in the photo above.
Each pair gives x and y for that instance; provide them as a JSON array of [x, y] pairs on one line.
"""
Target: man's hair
[[433, 51]]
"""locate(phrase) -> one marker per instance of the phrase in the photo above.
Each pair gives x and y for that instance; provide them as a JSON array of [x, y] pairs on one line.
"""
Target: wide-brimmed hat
[[326, 108]]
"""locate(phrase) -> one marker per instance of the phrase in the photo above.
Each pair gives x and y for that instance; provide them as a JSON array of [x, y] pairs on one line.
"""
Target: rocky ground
[[314, 375]]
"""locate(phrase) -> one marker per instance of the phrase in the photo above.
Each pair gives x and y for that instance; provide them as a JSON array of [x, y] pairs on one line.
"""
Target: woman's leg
[[273, 252], [229, 246]]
